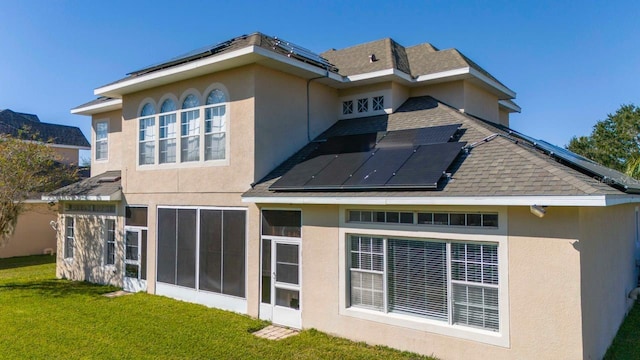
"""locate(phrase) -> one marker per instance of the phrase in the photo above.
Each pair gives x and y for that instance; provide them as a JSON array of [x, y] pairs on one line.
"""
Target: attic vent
[[372, 58], [109, 179]]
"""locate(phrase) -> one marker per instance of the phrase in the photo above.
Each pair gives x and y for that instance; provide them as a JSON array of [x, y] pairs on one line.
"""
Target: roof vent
[[372, 58]]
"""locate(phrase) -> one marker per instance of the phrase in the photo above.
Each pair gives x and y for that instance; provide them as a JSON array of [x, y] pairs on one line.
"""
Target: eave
[[114, 104]]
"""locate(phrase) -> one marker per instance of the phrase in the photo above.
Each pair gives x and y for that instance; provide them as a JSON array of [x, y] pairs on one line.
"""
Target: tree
[[27, 168], [614, 141]]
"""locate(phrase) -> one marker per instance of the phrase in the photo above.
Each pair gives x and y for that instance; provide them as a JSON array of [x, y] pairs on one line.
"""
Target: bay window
[[449, 281]]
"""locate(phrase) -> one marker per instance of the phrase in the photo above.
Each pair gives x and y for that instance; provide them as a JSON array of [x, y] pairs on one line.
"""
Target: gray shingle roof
[[105, 184], [11, 123], [97, 101], [500, 167]]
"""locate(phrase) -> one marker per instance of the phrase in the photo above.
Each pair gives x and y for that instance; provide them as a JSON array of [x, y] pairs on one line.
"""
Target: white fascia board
[[510, 105], [595, 200], [613, 200], [443, 74], [295, 63], [62, 146], [487, 80], [173, 70], [98, 108], [35, 201], [112, 197], [380, 73]]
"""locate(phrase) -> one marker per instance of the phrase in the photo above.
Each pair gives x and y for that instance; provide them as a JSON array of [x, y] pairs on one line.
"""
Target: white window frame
[[176, 130], [69, 249], [450, 234], [104, 141], [179, 137], [107, 241]]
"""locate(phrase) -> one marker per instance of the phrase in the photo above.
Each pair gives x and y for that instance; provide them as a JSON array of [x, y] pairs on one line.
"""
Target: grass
[[626, 344], [44, 318]]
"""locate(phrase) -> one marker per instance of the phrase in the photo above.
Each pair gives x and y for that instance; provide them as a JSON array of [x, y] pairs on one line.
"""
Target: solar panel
[[402, 159], [426, 166], [303, 53], [421, 136], [379, 168], [191, 55], [609, 176]]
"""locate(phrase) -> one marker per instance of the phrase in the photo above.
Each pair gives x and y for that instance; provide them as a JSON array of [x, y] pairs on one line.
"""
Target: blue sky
[[570, 63]]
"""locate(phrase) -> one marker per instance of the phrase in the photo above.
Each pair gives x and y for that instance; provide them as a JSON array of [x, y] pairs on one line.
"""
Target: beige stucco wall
[[33, 234], [114, 139], [607, 246], [202, 178], [544, 291], [480, 103], [88, 262], [503, 117], [399, 94], [451, 93], [281, 116], [69, 156]]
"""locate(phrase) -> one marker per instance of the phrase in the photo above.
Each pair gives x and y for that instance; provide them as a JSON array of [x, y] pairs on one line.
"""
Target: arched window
[[190, 130], [168, 133], [147, 135], [215, 126]]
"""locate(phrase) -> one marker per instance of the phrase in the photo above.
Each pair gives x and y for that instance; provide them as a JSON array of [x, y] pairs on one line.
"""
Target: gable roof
[[498, 166], [104, 187], [13, 123]]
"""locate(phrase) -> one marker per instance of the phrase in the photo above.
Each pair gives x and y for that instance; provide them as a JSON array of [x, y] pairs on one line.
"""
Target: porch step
[[116, 294], [274, 332]]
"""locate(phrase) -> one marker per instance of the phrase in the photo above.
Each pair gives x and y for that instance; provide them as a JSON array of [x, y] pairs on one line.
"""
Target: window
[[453, 282], [378, 103], [363, 105], [190, 129], [102, 144], [215, 126], [69, 238], [488, 220], [167, 118], [216, 252], [147, 135], [90, 208], [347, 107], [110, 242]]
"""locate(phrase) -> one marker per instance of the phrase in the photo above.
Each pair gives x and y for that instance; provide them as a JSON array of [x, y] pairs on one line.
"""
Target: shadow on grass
[[58, 288], [22, 261]]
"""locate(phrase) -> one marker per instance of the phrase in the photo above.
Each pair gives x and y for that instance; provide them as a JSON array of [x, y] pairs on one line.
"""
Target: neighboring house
[[374, 192], [34, 234]]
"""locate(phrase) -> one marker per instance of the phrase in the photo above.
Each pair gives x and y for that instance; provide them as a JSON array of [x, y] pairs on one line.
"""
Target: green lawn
[[626, 345], [45, 318]]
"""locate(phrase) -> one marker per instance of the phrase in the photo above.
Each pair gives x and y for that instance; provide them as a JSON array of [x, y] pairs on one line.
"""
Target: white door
[[133, 279], [282, 299]]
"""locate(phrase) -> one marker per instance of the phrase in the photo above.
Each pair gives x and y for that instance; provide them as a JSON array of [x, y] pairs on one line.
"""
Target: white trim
[[510, 105], [443, 74], [63, 146], [172, 70], [496, 85], [116, 196], [585, 200], [113, 104], [299, 64], [203, 297]]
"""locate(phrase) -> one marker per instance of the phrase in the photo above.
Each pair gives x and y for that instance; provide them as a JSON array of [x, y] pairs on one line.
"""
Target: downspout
[[308, 108]]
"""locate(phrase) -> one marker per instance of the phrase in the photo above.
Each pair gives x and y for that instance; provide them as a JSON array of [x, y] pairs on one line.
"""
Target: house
[[374, 192], [33, 234]]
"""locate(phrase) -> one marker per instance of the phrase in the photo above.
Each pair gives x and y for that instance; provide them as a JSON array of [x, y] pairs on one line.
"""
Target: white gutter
[[443, 74], [112, 197], [62, 146], [587, 200], [96, 108], [484, 78]]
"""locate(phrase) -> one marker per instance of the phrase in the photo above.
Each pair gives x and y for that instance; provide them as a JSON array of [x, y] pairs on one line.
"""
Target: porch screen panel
[[186, 258], [167, 221], [143, 255], [417, 278], [211, 250], [233, 252]]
